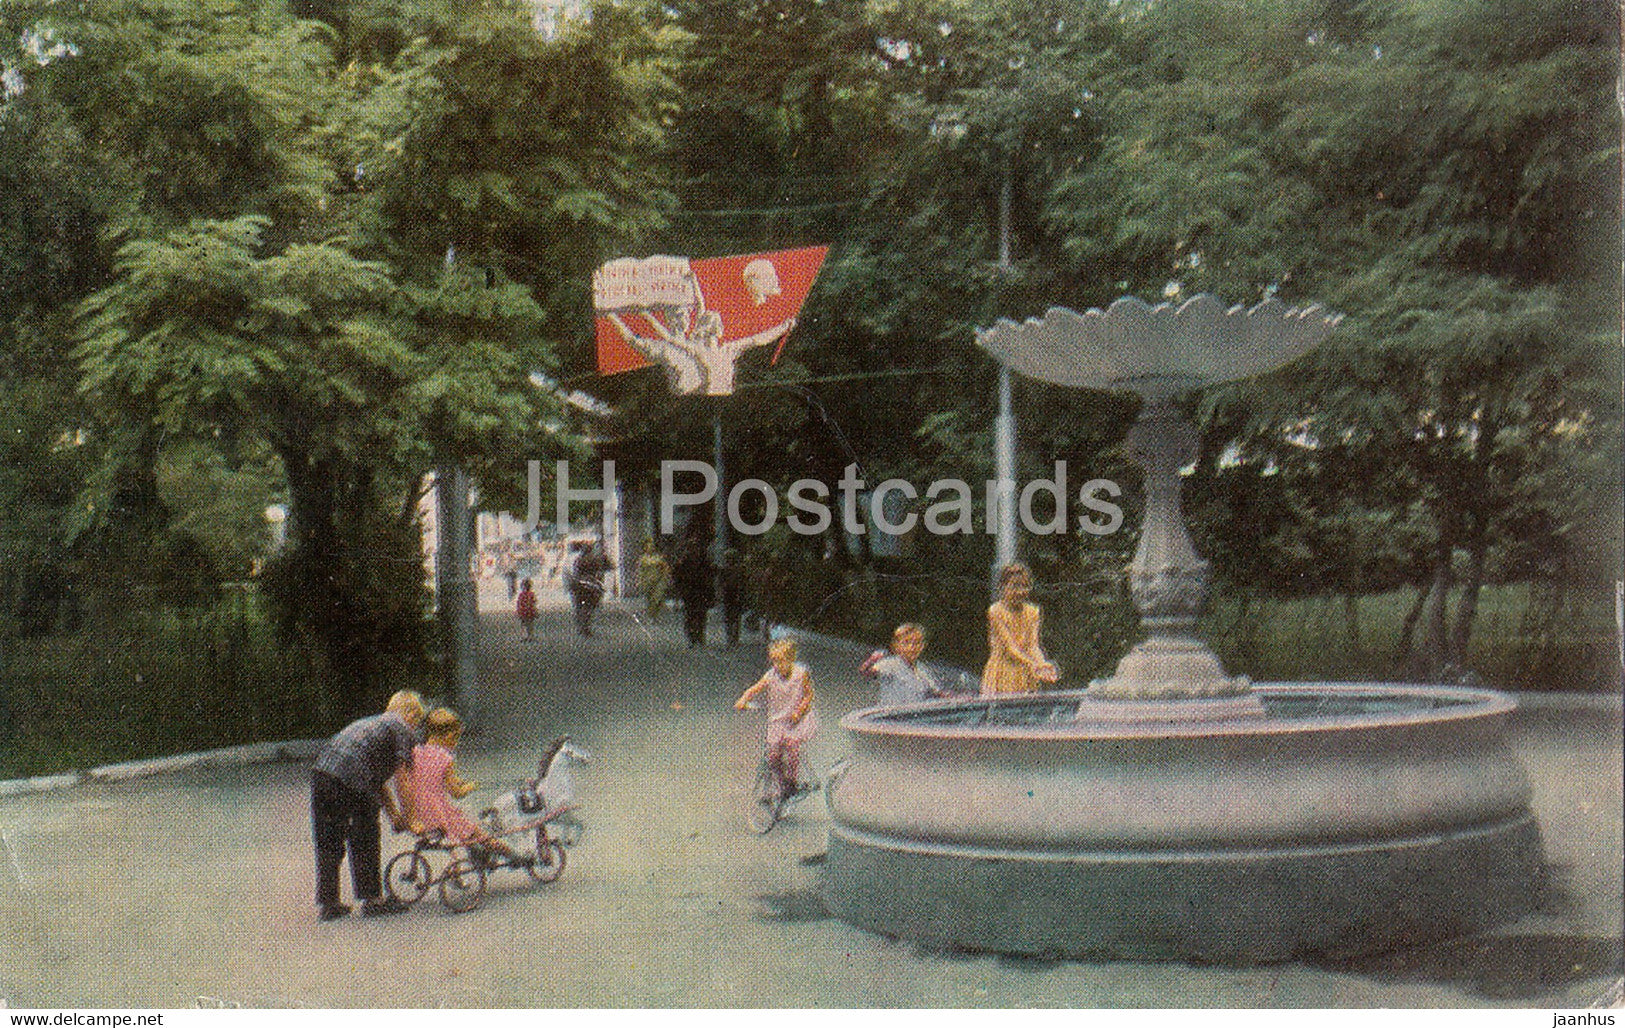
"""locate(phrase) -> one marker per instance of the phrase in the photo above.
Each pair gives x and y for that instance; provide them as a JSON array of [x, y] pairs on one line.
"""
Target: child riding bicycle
[[791, 722]]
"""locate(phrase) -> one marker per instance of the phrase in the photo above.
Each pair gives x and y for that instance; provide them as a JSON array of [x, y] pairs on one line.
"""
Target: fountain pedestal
[[1159, 353], [1169, 586]]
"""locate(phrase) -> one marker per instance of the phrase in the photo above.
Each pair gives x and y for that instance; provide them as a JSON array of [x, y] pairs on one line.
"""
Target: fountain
[[1173, 811]]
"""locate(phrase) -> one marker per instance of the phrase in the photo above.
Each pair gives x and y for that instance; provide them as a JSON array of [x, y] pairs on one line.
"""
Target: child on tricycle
[[475, 850], [434, 784]]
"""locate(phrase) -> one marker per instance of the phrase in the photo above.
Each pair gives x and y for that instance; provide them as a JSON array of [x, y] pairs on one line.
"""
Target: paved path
[[197, 884]]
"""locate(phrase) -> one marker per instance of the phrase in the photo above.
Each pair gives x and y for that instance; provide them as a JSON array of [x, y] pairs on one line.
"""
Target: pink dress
[[784, 698], [431, 807]]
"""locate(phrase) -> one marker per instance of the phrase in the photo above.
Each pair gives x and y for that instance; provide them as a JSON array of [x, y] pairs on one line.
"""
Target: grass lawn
[[1511, 646], [160, 682]]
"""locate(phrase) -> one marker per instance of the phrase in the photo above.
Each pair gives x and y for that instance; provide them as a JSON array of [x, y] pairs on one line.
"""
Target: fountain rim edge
[[1473, 704]]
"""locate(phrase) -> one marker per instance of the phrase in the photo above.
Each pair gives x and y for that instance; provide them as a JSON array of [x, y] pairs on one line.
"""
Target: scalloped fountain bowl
[[1349, 819]]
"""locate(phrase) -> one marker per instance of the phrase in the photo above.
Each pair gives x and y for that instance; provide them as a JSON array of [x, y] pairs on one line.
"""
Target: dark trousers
[[731, 615], [694, 623], [585, 602], [342, 818]]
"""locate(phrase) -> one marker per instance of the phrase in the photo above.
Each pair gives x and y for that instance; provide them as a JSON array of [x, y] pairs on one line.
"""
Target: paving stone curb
[[230, 756], [43, 783], [831, 641], [305, 749], [1569, 700]]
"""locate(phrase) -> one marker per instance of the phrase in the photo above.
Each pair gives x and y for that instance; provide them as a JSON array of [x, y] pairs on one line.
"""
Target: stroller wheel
[[463, 887], [408, 877]]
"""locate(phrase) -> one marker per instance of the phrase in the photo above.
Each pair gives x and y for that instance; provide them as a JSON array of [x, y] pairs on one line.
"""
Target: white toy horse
[[549, 797]]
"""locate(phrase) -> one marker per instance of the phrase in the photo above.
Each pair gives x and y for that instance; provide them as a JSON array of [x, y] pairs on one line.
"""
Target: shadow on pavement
[[1560, 899], [1029, 964], [1498, 967], [800, 906]]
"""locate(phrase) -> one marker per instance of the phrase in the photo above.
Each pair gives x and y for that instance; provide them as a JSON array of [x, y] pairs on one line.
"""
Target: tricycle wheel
[[463, 887], [408, 877], [549, 862]]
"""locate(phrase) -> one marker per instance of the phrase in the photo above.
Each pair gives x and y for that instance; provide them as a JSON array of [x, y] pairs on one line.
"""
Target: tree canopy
[[308, 251]]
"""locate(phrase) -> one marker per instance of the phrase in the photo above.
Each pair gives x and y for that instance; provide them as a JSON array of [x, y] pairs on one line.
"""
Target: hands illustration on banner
[[697, 360], [696, 318]]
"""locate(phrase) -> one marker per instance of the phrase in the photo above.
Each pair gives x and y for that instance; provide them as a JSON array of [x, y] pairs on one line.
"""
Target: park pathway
[[195, 887]]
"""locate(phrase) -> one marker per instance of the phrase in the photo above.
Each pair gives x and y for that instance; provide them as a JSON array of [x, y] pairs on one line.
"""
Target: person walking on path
[[696, 587], [348, 784], [731, 583], [586, 583], [762, 587], [1015, 661], [525, 610], [654, 577], [902, 678]]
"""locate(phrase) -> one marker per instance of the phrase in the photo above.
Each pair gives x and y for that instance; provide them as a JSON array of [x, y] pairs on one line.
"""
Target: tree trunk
[[1467, 606], [1437, 653], [407, 514], [318, 584], [122, 564], [1407, 631]]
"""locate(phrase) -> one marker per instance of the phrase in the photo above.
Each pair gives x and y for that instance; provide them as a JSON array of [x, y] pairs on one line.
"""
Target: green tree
[[409, 251], [1485, 298], [1410, 165]]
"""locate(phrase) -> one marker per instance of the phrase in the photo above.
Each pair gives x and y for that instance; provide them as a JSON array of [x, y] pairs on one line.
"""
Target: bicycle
[[768, 796]]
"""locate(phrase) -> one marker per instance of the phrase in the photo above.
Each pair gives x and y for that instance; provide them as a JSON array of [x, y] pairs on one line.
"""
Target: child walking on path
[[654, 578], [525, 609], [791, 722], [433, 782]]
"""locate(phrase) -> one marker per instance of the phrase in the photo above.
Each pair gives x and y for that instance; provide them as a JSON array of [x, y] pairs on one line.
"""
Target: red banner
[[697, 316]]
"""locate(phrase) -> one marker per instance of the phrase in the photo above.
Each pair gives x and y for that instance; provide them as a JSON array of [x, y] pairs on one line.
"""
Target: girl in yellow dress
[[1015, 661], [654, 576]]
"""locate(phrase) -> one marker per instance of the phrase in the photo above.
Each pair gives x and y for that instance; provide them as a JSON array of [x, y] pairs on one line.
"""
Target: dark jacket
[[694, 579]]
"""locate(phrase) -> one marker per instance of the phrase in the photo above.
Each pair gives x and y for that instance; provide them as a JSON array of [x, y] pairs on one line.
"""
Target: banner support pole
[[719, 532]]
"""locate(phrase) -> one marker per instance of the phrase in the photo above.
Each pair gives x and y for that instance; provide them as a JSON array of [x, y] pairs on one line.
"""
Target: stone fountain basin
[[1350, 818]]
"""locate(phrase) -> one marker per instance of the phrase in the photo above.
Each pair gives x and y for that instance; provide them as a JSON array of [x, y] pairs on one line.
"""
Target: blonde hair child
[[790, 719], [435, 783]]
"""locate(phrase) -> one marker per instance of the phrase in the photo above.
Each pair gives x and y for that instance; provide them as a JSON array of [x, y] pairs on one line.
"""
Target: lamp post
[[454, 586], [1004, 428]]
